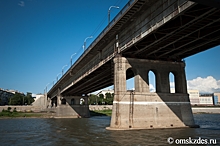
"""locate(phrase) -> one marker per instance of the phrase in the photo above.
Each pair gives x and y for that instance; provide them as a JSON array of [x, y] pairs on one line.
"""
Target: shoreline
[[100, 111]]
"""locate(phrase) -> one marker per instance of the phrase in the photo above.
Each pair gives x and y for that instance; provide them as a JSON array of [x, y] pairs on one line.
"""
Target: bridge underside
[[99, 79], [193, 31]]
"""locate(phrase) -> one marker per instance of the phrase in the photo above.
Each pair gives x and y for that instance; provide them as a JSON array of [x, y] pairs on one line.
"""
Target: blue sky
[[38, 37]]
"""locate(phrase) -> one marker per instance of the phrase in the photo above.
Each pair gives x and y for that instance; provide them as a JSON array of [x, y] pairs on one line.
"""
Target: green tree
[[20, 99], [108, 95], [93, 99], [28, 99], [16, 99], [101, 96], [109, 98]]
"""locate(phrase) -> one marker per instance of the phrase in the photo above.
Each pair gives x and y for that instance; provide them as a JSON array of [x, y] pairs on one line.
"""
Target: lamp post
[[58, 75], [84, 45], [71, 58], [53, 81], [63, 68], [46, 87], [109, 12], [45, 99]]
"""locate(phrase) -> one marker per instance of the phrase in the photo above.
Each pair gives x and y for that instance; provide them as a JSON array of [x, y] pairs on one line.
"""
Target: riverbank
[[211, 110], [95, 110], [195, 110], [8, 114]]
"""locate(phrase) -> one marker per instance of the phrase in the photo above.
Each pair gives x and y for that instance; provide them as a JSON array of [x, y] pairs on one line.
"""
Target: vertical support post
[[58, 97], [180, 80], [141, 81]]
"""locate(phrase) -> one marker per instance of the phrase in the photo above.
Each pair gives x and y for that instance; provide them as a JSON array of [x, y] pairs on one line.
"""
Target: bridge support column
[[70, 107], [142, 109], [58, 98]]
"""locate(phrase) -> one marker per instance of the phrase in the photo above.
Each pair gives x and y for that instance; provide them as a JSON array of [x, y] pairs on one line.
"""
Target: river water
[[91, 131]]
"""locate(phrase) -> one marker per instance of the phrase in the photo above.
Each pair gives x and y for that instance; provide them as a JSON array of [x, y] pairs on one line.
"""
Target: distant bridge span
[[161, 32]]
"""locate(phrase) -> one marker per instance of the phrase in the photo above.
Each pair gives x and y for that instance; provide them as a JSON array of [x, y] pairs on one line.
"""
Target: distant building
[[194, 97], [6, 94], [197, 99], [217, 98], [206, 99]]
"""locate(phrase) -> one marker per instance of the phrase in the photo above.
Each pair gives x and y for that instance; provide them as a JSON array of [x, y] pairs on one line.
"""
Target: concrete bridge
[[147, 35]]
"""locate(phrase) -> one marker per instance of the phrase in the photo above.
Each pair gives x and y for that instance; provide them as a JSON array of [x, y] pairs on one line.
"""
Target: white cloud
[[21, 3], [172, 85], [204, 85], [152, 88]]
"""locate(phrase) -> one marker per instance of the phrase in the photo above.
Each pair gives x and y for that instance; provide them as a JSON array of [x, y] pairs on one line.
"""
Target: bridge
[[146, 35]]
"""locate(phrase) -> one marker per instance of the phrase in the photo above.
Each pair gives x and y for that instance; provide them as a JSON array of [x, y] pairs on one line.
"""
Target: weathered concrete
[[141, 109], [71, 111], [71, 107]]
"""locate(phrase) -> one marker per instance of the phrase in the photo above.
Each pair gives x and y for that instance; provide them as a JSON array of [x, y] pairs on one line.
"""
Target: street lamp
[[109, 12], [46, 87], [71, 58], [63, 68], [58, 75], [84, 46], [53, 81], [45, 96]]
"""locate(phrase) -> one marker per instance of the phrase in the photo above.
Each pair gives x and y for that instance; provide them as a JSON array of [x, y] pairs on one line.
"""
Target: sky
[[38, 38]]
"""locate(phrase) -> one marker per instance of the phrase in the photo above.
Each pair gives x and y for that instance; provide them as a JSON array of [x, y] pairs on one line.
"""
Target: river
[[92, 132]]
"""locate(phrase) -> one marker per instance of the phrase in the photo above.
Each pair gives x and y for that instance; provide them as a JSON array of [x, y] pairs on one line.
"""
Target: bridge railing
[[107, 28]]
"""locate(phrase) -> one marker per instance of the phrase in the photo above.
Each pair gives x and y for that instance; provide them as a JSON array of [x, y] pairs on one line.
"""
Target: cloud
[[204, 85], [152, 88], [21, 3], [172, 85]]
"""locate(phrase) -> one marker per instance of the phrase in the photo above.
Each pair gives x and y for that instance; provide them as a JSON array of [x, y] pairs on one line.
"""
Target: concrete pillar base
[[74, 111], [141, 109], [151, 111], [72, 108]]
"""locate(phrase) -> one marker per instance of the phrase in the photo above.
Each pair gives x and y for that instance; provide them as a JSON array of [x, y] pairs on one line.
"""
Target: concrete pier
[[70, 107], [141, 109]]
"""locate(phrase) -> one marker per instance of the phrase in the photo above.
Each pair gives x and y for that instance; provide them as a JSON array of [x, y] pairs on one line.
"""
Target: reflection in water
[[91, 131]]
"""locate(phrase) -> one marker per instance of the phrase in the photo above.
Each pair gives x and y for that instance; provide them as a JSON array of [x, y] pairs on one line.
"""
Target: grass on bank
[[19, 114], [14, 113], [101, 113]]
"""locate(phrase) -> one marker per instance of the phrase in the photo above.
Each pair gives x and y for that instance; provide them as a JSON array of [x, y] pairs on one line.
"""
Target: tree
[[109, 98], [16, 99], [20, 99], [93, 99], [28, 98], [101, 96]]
